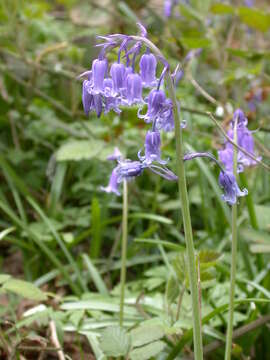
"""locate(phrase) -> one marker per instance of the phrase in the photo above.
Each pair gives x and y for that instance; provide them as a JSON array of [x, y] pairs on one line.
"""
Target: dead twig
[[55, 341]]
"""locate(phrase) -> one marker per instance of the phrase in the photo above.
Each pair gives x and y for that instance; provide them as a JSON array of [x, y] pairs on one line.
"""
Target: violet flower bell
[[99, 70], [125, 170], [118, 74], [148, 65], [111, 102], [155, 102], [152, 148], [91, 101], [112, 187], [133, 89], [87, 97], [231, 190]]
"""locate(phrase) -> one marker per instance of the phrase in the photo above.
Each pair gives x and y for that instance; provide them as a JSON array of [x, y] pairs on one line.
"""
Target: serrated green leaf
[[208, 256], [115, 341], [179, 265], [146, 334], [254, 18], [147, 351], [222, 9], [172, 289], [24, 289]]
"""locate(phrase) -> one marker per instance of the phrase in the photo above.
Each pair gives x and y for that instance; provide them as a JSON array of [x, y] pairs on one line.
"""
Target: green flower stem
[[233, 260], [124, 252], [182, 186]]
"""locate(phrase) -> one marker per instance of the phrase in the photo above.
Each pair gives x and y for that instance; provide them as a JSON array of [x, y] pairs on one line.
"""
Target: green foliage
[[60, 235]]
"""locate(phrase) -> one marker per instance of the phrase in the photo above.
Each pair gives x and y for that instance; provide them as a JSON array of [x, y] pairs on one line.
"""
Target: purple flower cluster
[[244, 140], [108, 87]]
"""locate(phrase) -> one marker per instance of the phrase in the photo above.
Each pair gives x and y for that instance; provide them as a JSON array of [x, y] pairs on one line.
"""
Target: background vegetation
[[60, 234]]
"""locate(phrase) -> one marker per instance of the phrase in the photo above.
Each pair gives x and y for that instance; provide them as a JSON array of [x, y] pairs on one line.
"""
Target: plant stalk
[[182, 186], [123, 252], [228, 349]]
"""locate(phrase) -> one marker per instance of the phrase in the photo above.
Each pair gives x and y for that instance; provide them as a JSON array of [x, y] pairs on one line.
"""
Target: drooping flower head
[[231, 190], [152, 148]]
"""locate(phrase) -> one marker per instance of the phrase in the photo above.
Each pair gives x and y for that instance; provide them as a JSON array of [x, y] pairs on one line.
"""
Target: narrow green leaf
[[164, 243], [6, 232], [97, 279], [96, 240]]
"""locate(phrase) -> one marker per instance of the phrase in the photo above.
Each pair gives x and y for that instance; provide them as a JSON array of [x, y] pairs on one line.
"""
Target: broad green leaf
[[76, 150], [222, 9], [4, 278], [24, 289], [147, 351], [115, 341], [146, 334], [254, 18]]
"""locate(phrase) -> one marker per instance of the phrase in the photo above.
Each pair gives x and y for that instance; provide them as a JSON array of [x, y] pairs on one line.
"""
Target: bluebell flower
[[148, 65], [116, 155], [112, 187], [155, 104], [111, 102], [87, 97], [231, 190], [128, 170], [166, 120], [118, 74], [133, 89], [99, 70], [152, 148], [168, 7]]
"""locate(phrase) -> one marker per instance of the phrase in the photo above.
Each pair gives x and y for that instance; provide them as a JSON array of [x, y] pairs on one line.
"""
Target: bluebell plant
[[109, 87]]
